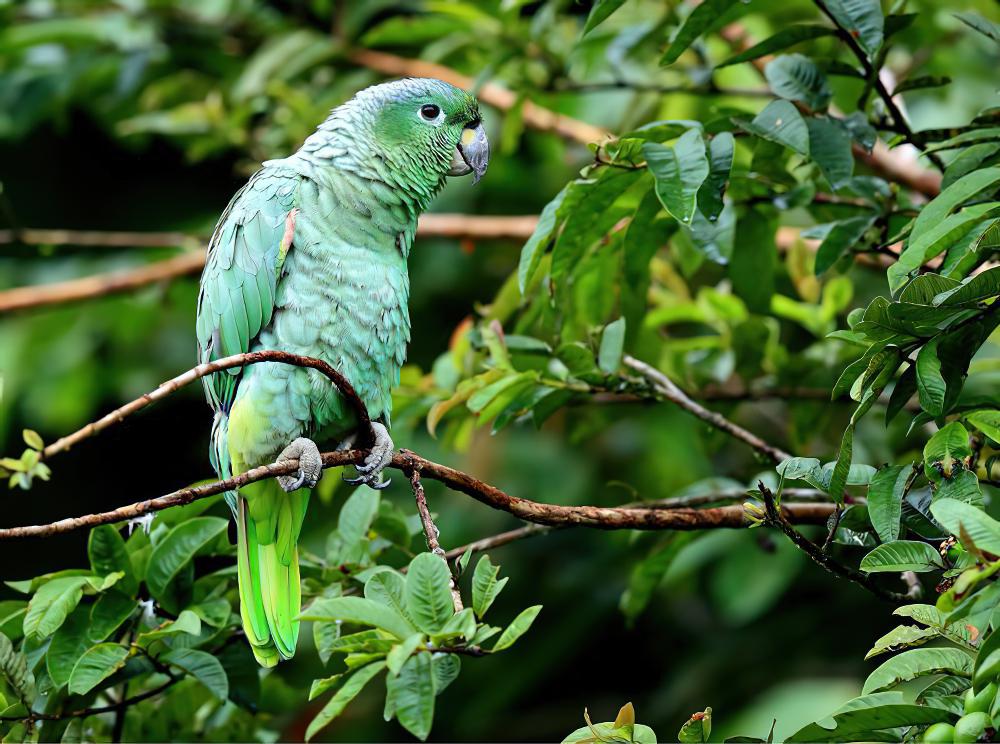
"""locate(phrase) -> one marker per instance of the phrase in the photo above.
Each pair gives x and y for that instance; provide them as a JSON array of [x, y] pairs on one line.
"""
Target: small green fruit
[[981, 702], [970, 727], [939, 733], [955, 552]]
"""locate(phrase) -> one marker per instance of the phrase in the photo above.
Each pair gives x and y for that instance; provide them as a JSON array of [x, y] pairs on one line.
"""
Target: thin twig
[[872, 75], [666, 388], [236, 360], [432, 534], [778, 519], [85, 712]]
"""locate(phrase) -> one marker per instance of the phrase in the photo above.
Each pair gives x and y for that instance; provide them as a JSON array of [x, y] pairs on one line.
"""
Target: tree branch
[[610, 518], [777, 518], [236, 360], [605, 518], [458, 226], [666, 388], [493, 94], [84, 712], [432, 534]]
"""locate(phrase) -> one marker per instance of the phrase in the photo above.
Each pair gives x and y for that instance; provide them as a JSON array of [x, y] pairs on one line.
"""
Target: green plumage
[[310, 258]]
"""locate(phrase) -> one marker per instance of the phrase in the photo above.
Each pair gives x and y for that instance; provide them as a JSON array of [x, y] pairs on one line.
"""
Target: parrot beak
[[472, 154]]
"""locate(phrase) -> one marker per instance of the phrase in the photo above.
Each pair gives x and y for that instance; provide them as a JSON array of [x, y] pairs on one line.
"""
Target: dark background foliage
[[148, 116]]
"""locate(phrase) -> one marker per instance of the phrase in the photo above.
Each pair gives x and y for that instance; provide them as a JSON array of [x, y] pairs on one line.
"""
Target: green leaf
[[534, 248], [600, 12], [698, 728], [936, 226], [428, 593], [347, 692], [68, 644], [609, 357], [96, 665], [187, 622], [446, 669], [830, 149], [517, 628], [108, 613], [797, 78], [412, 695], [782, 123], [977, 23], [361, 611], [720, 161], [203, 667], [779, 42], [704, 17], [841, 236], [178, 548], [107, 553], [357, 514], [962, 486], [921, 83], [859, 717], [957, 516], [401, 652], [15, 671], [987, 420], [51, 604], [931, 386], [945, 450], [902, 555], [485, 585], [325, 634], [903, 636], [752, 265], [862, 19], [972, 291], [460, 624], [389, 588], [648, 573], [915, 663], [32, 439], [679, 171], [885, 500]]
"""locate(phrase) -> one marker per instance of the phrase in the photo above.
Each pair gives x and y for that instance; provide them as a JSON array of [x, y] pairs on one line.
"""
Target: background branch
[[666, 388]]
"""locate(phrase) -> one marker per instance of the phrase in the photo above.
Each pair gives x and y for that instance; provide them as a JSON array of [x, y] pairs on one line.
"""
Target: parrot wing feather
[[238, 285]]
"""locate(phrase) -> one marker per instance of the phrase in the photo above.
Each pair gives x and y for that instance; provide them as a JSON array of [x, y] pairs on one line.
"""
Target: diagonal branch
[[534, 116], [666, 388], [777, 518], [182, 380]]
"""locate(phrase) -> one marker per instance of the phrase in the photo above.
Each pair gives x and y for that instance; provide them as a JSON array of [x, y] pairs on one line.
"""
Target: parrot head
[[427, 125]]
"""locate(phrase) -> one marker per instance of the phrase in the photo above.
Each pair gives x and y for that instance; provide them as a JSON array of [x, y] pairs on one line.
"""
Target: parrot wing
[[241, 273]]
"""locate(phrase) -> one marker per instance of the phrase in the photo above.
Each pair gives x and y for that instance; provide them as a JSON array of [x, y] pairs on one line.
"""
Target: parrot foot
[[310, 465], [370, 471]]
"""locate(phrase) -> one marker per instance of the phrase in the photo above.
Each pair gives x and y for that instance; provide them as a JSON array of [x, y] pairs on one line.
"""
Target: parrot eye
[[430, 112]]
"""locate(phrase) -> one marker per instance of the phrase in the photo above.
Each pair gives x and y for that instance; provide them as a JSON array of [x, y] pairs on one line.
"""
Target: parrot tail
[[268, 522]]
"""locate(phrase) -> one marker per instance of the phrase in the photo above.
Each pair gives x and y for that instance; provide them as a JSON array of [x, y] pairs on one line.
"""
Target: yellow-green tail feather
[[268, 525]]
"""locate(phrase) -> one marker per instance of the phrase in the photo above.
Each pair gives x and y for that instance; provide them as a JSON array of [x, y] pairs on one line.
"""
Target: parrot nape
[[310, 258]]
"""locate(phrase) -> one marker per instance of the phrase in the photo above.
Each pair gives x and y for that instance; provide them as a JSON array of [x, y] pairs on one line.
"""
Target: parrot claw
[[370, 471], [310, 465]]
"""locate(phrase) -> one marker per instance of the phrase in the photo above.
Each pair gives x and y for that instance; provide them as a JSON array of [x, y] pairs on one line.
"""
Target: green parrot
[[310, 258]]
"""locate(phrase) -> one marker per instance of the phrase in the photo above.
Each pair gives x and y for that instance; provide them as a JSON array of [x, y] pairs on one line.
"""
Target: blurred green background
[[148, 115]]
